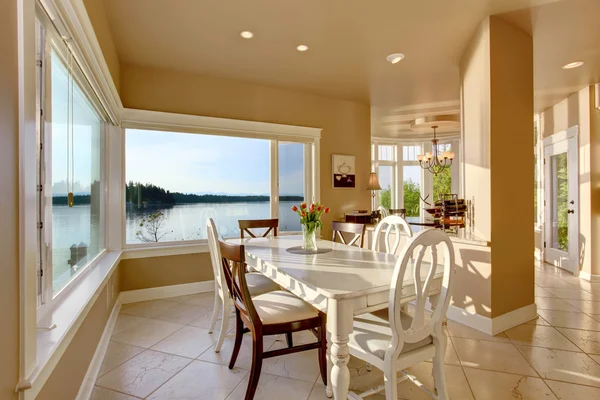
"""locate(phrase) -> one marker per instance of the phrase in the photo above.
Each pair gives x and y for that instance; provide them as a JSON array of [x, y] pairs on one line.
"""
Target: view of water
[[71, 226], [188, 221]]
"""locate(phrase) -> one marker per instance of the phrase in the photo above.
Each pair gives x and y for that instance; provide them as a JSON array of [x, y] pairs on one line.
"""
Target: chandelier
[[435, 161]]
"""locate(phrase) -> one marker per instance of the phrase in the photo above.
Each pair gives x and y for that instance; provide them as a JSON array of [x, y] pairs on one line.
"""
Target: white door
[[561, 191]]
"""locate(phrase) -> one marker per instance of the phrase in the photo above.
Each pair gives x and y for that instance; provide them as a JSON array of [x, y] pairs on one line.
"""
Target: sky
[[193, 163]]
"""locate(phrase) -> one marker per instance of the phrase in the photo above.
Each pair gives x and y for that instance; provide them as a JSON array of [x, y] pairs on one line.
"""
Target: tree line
[[151, 194]]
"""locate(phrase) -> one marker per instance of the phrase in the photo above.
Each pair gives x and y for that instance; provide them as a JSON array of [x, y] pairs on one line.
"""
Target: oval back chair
[[391, 224], [420, 329]]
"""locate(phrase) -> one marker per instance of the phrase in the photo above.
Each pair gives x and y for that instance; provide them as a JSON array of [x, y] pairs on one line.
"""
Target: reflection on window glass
[[291, 184], [175, 181], [412, 190], [385, 152], [384, 175], [560, 204], [76, 232], [442, 182]]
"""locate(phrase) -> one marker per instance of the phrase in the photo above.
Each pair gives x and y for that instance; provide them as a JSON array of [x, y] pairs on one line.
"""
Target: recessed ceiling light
[[395, 58], [247, 34], [302, 47], [573, 64]]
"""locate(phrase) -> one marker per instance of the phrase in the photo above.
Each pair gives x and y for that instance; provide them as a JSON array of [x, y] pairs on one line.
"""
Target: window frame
[[376, 163], [426, 185], [52, 41], [191, 124]]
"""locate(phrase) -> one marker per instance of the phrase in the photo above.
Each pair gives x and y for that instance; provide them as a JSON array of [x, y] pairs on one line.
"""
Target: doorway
[[561, 200]]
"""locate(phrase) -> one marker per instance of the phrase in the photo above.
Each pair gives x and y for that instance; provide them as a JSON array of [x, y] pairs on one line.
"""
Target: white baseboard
[[493, 326], [164, 292], [589, 277], [472, 320], [87, 386], [514, 318]]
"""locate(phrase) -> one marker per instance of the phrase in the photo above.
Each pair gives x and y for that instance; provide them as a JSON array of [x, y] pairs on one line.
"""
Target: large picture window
[[175, 181], [76, 162], [70, 159]]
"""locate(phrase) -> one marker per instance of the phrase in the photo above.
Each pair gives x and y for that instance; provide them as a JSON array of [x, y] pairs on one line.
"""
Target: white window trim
[[193, 124], [73, 22], [426, 178], [53, 42]]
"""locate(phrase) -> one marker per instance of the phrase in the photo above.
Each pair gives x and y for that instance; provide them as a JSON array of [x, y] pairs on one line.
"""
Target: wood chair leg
[[239, 334], [289, 340], [257, 351], [323, 354]]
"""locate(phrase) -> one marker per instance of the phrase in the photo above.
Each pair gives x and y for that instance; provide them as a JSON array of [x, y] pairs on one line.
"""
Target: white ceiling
[[348, 41]]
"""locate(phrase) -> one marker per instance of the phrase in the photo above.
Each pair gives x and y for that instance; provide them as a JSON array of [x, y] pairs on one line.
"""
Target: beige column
[[496, 75], [593, 248]]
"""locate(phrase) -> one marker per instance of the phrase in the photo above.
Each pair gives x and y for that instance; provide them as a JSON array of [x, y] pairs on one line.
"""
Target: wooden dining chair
[[247, 224], [394, 340], [272, 313], [257, 284], [395, 225], [339, 228], [398, 211]]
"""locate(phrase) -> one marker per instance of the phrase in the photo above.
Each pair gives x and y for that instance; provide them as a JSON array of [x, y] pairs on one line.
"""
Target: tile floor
[[161, 349]]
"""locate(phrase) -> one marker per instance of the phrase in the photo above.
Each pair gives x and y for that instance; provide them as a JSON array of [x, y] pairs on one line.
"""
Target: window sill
[[68, 315], [164, 250]]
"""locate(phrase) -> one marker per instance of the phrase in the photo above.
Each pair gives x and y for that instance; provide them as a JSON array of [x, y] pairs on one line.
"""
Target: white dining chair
[[393, 340], [257, 284], [393, 225], [383, 211]]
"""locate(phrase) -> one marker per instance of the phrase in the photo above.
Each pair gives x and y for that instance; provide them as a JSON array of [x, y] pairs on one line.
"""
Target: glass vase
[[309, 238]]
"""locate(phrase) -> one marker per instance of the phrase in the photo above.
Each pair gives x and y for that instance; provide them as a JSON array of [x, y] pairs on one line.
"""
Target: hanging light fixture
[[435, 161]]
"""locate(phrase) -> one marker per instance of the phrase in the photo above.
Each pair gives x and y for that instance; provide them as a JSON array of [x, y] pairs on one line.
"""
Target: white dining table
[[342, 283]]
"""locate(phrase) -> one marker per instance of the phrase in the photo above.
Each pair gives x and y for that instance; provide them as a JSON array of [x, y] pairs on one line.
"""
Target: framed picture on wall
[[344, 171]]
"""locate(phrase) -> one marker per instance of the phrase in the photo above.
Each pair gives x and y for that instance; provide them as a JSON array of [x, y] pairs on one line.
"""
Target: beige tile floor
[[161, 350]]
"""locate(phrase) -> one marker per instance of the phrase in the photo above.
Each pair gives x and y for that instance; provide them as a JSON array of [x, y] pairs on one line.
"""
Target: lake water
[[182, 222], [188, 221]]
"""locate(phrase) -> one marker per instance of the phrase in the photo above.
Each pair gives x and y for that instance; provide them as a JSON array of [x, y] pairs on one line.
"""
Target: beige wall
[[9, 202], [67, 376], [143, 273], [497, 122], [345, 130], [578, 109], [95, 11], [345, 124]]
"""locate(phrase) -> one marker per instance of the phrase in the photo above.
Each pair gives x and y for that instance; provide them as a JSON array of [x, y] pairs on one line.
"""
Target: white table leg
[[339, 324]]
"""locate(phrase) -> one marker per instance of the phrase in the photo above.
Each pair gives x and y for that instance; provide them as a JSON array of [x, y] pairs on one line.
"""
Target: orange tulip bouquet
[[310, 219]]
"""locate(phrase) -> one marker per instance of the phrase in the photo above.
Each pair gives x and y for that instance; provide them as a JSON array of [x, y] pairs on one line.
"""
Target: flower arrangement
[[310, 219]]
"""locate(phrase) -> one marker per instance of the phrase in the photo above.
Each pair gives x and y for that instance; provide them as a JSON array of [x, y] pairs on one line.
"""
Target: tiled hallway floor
[[161, 349]]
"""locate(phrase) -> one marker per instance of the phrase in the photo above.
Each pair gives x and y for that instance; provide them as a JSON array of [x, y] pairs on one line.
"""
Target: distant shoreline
[[179, 198]]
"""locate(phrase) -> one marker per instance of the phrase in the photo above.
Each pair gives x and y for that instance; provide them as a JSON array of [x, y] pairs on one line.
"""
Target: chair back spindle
[[233, 263], [391, 224], [247, 224], [423, 273], [339, 228], [215, 258]]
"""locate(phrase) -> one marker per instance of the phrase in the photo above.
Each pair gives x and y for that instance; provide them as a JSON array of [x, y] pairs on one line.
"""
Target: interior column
[[496, 74]]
